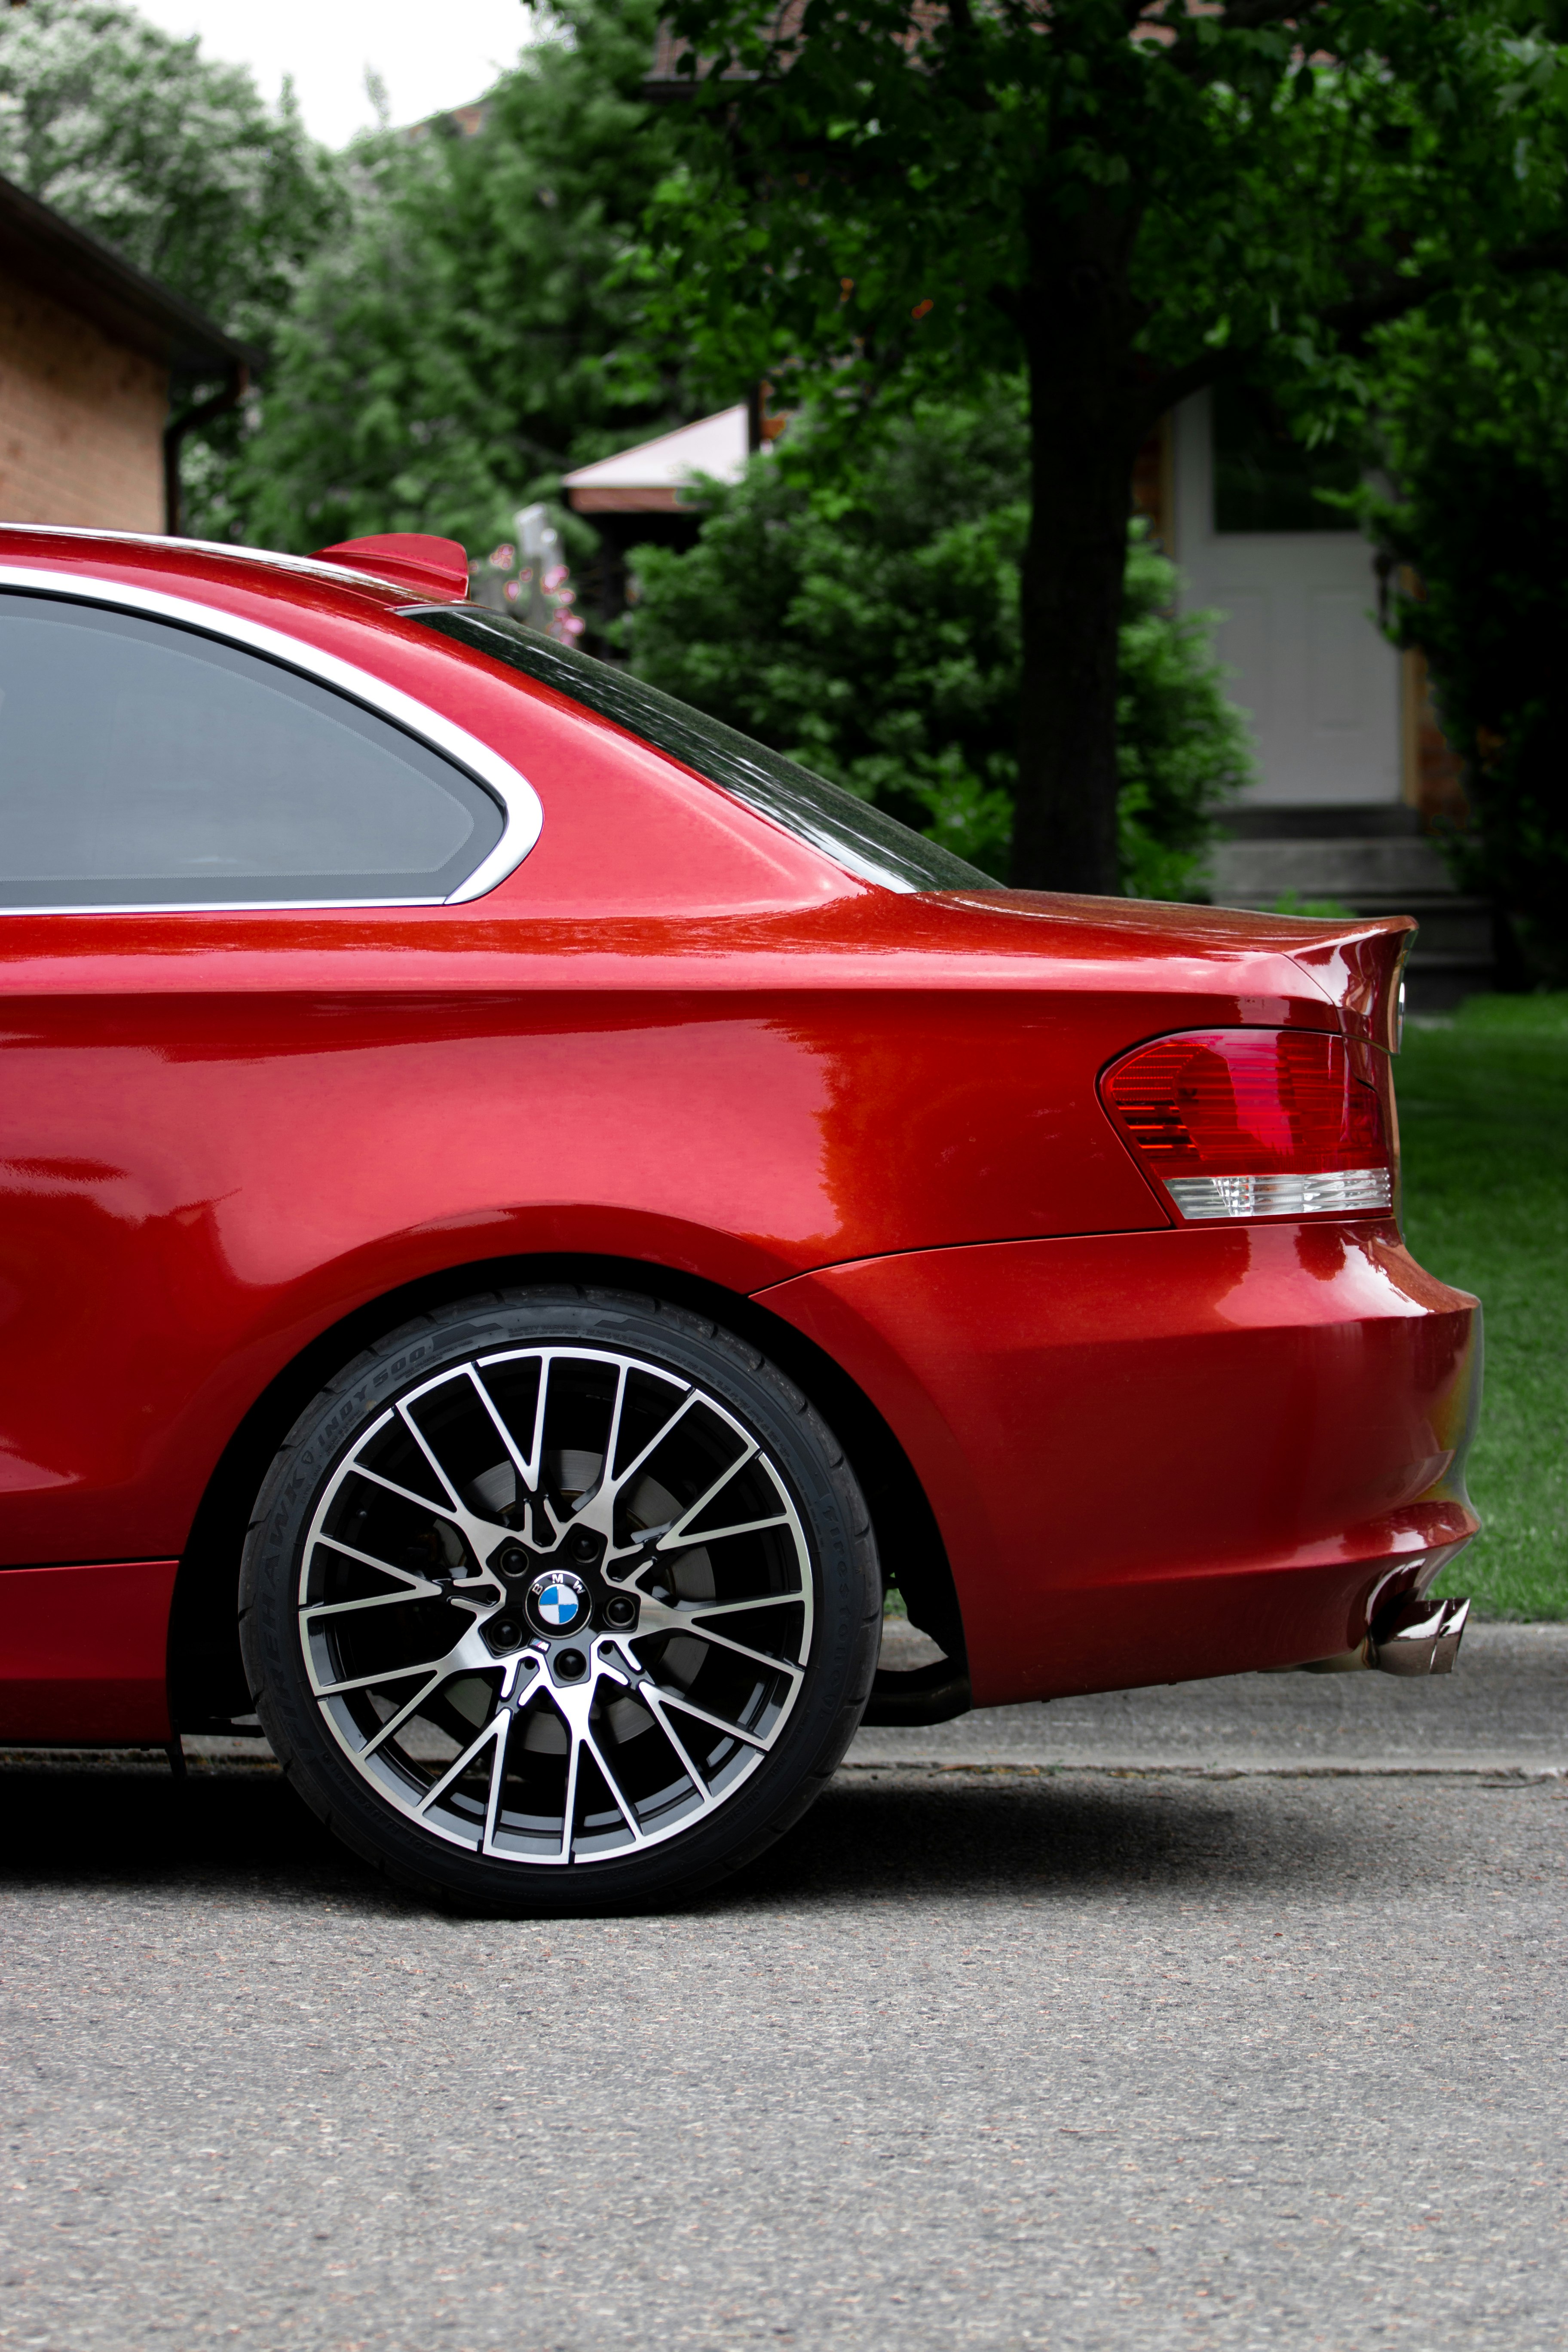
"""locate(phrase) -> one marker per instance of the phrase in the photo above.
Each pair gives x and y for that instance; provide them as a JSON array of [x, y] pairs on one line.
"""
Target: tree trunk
[[1088, 417]]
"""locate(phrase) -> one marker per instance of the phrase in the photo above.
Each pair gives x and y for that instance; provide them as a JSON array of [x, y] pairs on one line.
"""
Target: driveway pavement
[[1047, 2052], [1505, 1707]]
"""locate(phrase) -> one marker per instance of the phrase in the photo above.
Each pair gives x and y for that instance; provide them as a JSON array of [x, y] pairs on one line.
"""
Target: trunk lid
[[1360, 966], [1355, 963]]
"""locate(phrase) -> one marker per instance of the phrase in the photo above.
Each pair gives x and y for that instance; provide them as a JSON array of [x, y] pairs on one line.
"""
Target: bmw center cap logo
[[557, 1602]]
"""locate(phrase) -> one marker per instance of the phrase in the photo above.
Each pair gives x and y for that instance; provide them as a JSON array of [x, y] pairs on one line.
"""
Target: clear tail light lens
[[1255, 1123]]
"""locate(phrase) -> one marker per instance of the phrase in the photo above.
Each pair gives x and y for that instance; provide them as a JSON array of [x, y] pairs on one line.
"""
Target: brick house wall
[[81, 419], [92, 352]]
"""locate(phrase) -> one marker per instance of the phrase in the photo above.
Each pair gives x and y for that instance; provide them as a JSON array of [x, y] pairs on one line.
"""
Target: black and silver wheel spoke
[[597, 1483]]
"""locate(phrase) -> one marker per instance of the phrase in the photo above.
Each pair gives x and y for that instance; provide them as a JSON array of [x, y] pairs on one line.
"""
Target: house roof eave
[[38, 245]]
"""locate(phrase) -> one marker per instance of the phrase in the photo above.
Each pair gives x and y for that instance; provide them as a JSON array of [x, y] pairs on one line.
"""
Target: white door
[[1320, 682]]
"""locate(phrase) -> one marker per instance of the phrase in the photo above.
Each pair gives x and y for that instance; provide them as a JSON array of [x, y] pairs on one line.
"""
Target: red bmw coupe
[[523, 1209]]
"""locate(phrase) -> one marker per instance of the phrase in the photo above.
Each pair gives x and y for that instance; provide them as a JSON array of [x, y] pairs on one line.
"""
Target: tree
[[862, 615], [1183, 750], [177, 161], [172, 159], [1471, 425], [1129, 198], [476, 328]]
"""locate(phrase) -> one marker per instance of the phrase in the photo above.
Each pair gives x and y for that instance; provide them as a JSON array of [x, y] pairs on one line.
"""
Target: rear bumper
[[1157, 1456]]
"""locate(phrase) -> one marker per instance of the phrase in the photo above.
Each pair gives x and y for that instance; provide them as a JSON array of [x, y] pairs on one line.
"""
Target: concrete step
[[1375, 860], [1322, 821], [1250, 873], [1453, 929]]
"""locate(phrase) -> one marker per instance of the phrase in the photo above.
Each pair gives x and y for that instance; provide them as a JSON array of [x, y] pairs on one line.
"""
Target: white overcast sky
[[430, 57]]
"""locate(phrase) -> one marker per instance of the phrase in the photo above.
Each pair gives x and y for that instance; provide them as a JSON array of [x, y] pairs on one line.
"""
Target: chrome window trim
[[523, 816]]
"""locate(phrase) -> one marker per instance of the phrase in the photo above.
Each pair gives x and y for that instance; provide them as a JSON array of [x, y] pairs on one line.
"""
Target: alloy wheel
[[555, 1604]]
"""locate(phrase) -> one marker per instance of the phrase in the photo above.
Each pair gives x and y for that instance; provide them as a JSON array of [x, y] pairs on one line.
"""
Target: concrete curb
[[249, 1755], [1285, 1767], [205, 1766]]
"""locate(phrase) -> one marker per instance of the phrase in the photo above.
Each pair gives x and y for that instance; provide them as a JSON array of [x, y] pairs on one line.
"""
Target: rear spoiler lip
[[1361, 970]]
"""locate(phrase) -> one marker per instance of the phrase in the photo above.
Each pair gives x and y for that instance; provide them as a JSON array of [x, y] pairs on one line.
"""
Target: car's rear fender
[[206, 1680], [1154, 1457]]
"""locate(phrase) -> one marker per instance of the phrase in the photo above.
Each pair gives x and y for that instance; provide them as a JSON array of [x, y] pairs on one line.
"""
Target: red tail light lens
[[1254, 1122]]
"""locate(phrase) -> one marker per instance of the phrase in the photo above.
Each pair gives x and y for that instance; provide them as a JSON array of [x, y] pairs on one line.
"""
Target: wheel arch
[[207, 1690]]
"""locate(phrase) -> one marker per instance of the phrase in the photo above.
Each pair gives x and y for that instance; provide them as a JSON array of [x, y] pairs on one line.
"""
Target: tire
[[524, 1670]]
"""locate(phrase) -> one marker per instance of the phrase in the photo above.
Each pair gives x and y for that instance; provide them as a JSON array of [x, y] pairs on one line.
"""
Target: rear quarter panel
[[207, 1157], [1166, 1454], [675, 1035]]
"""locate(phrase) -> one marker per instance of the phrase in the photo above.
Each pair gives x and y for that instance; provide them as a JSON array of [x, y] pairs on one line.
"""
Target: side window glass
[[143, 764]]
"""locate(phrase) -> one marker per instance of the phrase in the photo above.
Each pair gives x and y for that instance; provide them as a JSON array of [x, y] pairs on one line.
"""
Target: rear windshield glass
[[850, 831]]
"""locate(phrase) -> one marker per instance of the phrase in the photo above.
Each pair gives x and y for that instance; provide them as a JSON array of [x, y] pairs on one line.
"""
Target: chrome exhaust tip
[[1422, 1637], [1418, 1637]]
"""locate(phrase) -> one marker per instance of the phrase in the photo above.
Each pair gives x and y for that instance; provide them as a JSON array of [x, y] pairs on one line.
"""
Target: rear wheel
[[559, 1601]]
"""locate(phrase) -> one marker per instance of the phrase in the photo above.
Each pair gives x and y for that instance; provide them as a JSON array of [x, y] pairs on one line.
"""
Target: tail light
[[1257, 1122]]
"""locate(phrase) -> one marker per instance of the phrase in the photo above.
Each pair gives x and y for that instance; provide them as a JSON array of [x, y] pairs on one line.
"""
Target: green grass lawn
[[1483, 1112]]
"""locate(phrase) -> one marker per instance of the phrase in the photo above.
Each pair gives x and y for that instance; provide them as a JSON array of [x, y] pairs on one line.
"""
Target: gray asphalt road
[[985, 2057], [1506, 1705]]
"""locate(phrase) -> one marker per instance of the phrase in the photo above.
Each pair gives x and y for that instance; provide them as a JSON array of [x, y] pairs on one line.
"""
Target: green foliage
[[859, 610], [177, 161], [1291, 902], [1473, 427], [476, 330], [878, 194], [1181, 749], [1483, 1117], [1129, 198]]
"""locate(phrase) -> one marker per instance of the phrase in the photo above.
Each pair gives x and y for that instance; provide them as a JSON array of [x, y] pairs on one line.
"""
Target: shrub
[[857, 607], [1474, 432]]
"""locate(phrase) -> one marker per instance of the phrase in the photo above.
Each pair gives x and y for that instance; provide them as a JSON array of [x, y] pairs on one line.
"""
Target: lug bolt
[[571, 1666], [512, 1560], [621, 1610], [503, 1633], [584, 1545]]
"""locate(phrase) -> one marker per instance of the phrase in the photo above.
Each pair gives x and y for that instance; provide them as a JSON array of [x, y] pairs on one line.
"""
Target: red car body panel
[[1160, 1455], [680, 1037], [84, 1652]]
